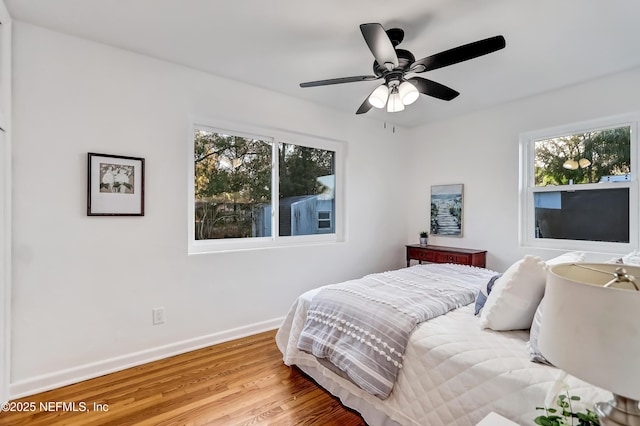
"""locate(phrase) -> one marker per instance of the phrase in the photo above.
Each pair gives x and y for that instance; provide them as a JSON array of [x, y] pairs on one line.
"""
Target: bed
[[453, 372]]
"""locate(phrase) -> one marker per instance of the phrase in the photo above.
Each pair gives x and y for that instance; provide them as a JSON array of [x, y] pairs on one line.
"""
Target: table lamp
[[590, 328]]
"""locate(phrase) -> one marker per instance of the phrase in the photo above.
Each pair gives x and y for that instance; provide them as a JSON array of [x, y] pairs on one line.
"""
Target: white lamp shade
[[378, 98], [394, 104], [590, 331], [570, 164], [408, 93]]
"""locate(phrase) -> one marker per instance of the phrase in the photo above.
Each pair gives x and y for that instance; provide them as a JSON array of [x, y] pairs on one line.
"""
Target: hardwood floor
[[242, 382]]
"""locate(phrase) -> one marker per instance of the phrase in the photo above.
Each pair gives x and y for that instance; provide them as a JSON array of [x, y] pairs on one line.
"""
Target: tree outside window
[[583, 157], [233, 186]]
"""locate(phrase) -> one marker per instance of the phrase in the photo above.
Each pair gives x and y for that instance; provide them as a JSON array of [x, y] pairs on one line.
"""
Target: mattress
[[454, 374]]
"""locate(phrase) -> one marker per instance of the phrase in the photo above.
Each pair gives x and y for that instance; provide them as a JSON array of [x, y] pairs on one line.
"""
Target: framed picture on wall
[[446, 210], [115, 185]]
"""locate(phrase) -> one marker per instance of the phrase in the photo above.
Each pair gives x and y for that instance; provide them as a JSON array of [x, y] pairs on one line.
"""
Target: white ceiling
[[277, 44]]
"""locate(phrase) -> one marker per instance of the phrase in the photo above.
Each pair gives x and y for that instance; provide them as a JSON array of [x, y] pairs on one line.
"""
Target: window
[[232, 181], [261, 189], [579, 186], [324, 220], [306, 184]]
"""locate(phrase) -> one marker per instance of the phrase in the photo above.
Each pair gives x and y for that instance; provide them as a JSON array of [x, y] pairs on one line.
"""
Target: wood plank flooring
[[242, 382]]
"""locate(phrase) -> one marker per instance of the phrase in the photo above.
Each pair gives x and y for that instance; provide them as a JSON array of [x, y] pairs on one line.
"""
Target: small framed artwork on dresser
[[446, 210]]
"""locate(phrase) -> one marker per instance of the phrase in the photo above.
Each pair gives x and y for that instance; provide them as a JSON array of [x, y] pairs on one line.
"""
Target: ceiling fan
[[398, 68]]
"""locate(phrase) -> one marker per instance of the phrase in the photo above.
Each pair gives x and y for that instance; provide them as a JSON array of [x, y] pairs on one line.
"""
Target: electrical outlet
[[158, 316]]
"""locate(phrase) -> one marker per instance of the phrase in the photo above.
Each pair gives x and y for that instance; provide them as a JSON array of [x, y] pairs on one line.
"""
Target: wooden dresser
[[442, 254]]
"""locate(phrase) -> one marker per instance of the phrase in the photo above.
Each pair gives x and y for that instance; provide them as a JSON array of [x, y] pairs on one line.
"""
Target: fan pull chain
[[393, 128]]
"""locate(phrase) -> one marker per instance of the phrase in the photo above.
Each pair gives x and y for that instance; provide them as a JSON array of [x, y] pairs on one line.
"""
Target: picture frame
[[115, 185], [447, 207]]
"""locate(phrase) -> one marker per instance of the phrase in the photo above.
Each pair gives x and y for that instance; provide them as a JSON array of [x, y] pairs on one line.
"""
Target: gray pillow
[[484, 293]]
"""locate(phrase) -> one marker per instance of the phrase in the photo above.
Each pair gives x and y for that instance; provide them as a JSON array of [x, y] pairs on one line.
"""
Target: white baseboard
[[69, 376]]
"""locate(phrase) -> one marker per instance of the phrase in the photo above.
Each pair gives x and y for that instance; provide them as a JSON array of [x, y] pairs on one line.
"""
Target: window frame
[[526, 213], [275, 137]]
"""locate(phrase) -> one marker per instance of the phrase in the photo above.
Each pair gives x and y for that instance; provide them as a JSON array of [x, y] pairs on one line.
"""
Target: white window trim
[[526, 231], [275, 136]]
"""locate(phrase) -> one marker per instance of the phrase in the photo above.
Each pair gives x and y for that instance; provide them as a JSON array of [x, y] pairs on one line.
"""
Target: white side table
[[494, 419]]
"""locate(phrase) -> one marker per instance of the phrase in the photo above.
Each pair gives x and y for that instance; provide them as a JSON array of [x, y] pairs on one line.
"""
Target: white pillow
[[515, 296], [570, 257], [534, 352], [632, 258]]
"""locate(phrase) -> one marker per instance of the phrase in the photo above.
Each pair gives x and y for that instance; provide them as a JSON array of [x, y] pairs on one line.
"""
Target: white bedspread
[[454, 374], [362, 326]]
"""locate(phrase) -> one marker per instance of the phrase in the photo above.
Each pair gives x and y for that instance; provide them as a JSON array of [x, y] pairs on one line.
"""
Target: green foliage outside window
[[300, 166], [233, 180], [608, 153], [232, 176]]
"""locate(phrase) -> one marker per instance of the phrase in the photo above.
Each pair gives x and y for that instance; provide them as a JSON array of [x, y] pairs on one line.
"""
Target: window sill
[[590, 246], [234, 245]]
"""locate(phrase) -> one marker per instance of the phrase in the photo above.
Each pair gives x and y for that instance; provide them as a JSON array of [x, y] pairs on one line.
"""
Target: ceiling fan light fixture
[[570, 165], [394, 104], [583, 162], [408, 93], [378, 98]]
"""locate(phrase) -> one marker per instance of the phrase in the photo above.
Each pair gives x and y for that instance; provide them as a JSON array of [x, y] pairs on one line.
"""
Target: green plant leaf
[[566, 414], [589, 418], [547, 421]]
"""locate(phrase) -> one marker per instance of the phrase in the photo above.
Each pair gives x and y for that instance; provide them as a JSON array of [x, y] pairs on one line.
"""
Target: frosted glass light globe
[[379, 97], [408, 93], [394, 104]]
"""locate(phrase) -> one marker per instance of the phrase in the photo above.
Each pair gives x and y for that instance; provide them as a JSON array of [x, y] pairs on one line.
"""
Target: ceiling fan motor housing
[[396, 35], [405, 59]]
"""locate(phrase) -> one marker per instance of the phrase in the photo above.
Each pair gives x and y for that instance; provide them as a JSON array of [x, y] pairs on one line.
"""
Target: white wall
[[481, 151], [84, 287], [5, 200]]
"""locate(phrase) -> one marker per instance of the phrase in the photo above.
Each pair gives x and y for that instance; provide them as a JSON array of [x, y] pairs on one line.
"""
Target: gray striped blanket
[[363, 326]]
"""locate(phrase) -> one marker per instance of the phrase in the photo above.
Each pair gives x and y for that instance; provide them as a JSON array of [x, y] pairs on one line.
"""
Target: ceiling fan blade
[[380, 45], [339, 80], [432, 88], [459, 54], [366, 105]]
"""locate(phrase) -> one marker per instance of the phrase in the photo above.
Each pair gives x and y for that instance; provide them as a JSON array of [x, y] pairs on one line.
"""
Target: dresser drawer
[[422, 254], [463, 259]]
